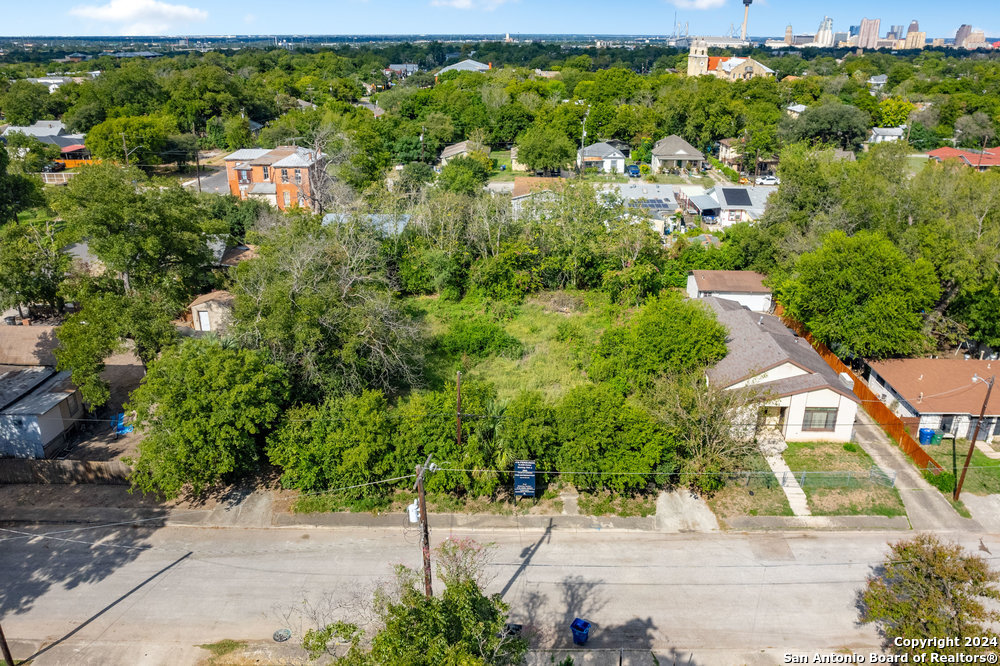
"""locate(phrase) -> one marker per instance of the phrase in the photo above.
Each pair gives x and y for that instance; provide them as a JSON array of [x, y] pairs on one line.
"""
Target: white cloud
[[141, 17], [698, 4], [482, 5]]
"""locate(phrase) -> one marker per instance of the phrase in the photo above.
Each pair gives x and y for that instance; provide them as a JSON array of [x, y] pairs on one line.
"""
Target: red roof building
[[980, 160]]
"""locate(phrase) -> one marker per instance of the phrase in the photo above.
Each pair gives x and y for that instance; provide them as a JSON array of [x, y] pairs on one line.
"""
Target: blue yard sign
[[524, 478]]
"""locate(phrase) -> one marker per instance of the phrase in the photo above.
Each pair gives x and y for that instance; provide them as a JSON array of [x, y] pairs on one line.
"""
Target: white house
[[941, 393], [886, 134], [802, 397], [601, 156], [675, 152], [39, 407], [744, 287]]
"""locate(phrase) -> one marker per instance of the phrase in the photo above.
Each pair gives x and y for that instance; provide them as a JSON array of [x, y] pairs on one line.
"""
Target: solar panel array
[[652, 204], [736, 197]]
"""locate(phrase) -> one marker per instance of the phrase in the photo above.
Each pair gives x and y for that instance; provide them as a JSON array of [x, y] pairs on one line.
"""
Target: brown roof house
[[212, 312], [802, 397], [745, 287], [39, 407], [945, 394]]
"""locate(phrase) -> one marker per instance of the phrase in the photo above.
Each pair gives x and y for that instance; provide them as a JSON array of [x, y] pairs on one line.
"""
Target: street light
[[975, 432]]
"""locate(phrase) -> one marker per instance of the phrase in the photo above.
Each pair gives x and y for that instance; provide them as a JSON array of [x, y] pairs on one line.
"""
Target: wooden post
[[975, 434]]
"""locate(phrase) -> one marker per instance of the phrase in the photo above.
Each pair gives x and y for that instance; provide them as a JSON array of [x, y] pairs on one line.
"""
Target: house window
[[284, 175], [267, 172], [298, 177], [288, 198], [820, 419], [244, 176], [948, 423]]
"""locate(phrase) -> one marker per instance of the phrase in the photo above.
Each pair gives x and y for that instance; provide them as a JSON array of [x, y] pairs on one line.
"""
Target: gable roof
[[602, 151], [674, 147], [796, 108], [28, 345], [455, 149], [941, 385], [759, 342], [466, 65], [39, 128], [213, 296], [246, 154], [741, 282], [987, 158]]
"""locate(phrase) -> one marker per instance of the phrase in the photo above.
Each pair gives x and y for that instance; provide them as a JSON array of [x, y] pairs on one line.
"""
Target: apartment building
[[283, 176]]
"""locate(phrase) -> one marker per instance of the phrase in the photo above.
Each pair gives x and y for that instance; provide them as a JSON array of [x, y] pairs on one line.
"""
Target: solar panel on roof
[[736, 197]]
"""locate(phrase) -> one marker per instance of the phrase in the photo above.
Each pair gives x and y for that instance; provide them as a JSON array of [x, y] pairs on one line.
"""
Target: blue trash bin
[[581, 631], [926, 436]]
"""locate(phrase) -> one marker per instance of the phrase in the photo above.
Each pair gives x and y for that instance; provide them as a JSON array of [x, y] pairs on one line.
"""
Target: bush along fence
[[882, 415]]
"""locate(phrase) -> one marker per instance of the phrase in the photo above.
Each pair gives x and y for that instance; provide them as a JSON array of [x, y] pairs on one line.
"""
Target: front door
[[203, 322]]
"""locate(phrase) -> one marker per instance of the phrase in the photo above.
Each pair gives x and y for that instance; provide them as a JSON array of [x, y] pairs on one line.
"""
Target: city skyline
[[654, 17]]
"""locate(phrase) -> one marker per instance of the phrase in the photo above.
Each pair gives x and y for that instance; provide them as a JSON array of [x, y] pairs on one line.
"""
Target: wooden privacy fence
[[18, 470], [883, 416]]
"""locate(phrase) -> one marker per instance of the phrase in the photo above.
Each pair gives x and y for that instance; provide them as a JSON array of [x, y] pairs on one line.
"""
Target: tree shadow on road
[[68, 556]]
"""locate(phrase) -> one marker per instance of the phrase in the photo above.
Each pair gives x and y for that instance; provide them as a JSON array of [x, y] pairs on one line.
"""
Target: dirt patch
[[94, 438], [865, 501], [738, 500], [89, 496]]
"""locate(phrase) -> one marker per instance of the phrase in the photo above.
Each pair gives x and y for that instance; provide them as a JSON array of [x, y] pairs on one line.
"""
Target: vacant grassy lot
[[983, 477], [555, 328], [844, 488], [502, 159]]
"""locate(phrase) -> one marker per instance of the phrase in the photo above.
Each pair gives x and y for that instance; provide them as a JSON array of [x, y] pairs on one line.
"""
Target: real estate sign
[[524, 478]]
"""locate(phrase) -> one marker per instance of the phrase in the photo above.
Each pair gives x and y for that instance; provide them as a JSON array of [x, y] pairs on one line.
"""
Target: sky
[[706, 17]]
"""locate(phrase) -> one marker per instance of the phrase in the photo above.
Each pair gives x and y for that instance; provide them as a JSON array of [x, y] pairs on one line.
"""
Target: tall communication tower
[[746, 15]]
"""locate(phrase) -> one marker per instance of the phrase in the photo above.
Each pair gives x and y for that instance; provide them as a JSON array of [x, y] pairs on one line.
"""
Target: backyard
[[983, 477]]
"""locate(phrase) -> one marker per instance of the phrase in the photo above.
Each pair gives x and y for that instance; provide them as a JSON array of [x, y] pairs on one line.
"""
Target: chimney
[[846, 380], [920, 398]]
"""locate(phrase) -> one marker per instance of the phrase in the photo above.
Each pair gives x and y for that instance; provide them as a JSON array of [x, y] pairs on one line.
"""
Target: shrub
[[851, 447], [945, 481], [508, 276], [479, 338], [729, 173]]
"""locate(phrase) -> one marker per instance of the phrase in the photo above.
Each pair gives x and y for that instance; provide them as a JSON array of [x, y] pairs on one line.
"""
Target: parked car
[[768, 180], [632, 170], [53, 167]]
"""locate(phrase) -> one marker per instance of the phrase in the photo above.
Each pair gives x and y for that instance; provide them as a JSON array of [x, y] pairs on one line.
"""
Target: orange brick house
[[281, 176]]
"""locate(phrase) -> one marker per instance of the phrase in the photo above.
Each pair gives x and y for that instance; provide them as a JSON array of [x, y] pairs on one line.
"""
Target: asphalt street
[[162, 591]]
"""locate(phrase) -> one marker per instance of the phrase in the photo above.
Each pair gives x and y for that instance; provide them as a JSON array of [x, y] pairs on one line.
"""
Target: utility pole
[[975, 433], [6, 649], [197, 163], [425, 536], [458, 410]]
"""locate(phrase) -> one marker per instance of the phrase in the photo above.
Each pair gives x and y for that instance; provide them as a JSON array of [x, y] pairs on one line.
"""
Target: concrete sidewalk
[[926, 507]]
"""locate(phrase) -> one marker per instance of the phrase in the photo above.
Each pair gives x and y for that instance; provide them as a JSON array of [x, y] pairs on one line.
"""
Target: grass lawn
[[552, 326], [848, 493], [502, 158], [757, 496], [916, 163], [606, 503], [983, 477]]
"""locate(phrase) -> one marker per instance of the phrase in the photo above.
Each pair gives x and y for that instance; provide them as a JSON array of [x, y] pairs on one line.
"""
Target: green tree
[[204, 409], [144, 137], [608, 442], [348, 441], [544, 148], [667, 335], [862, 293], [461, 626], [840, 125], [466, 174], [31, 155], [17, 191], [893, 112], [929, 589], [31, 265], [155, 238], [238, 134], [24, 102]]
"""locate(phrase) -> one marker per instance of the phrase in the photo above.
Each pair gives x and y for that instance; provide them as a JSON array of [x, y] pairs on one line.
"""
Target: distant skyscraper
[[897, 32], [915, 40], [789, 36], [824, 36], [914, 27], [853, 30], [962, 35], [868, 33]]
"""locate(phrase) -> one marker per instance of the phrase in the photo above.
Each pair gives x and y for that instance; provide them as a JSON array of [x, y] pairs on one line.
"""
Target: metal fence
[[817, 479]]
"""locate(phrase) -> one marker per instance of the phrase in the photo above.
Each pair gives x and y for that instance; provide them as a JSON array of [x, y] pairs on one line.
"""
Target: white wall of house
[[795, 416], [614, 165]]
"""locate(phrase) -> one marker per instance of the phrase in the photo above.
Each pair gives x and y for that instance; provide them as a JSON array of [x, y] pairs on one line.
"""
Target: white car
[[768, 180]]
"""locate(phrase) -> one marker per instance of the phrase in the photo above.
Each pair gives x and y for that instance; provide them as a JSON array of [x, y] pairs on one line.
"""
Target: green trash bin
[[938, 436]]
